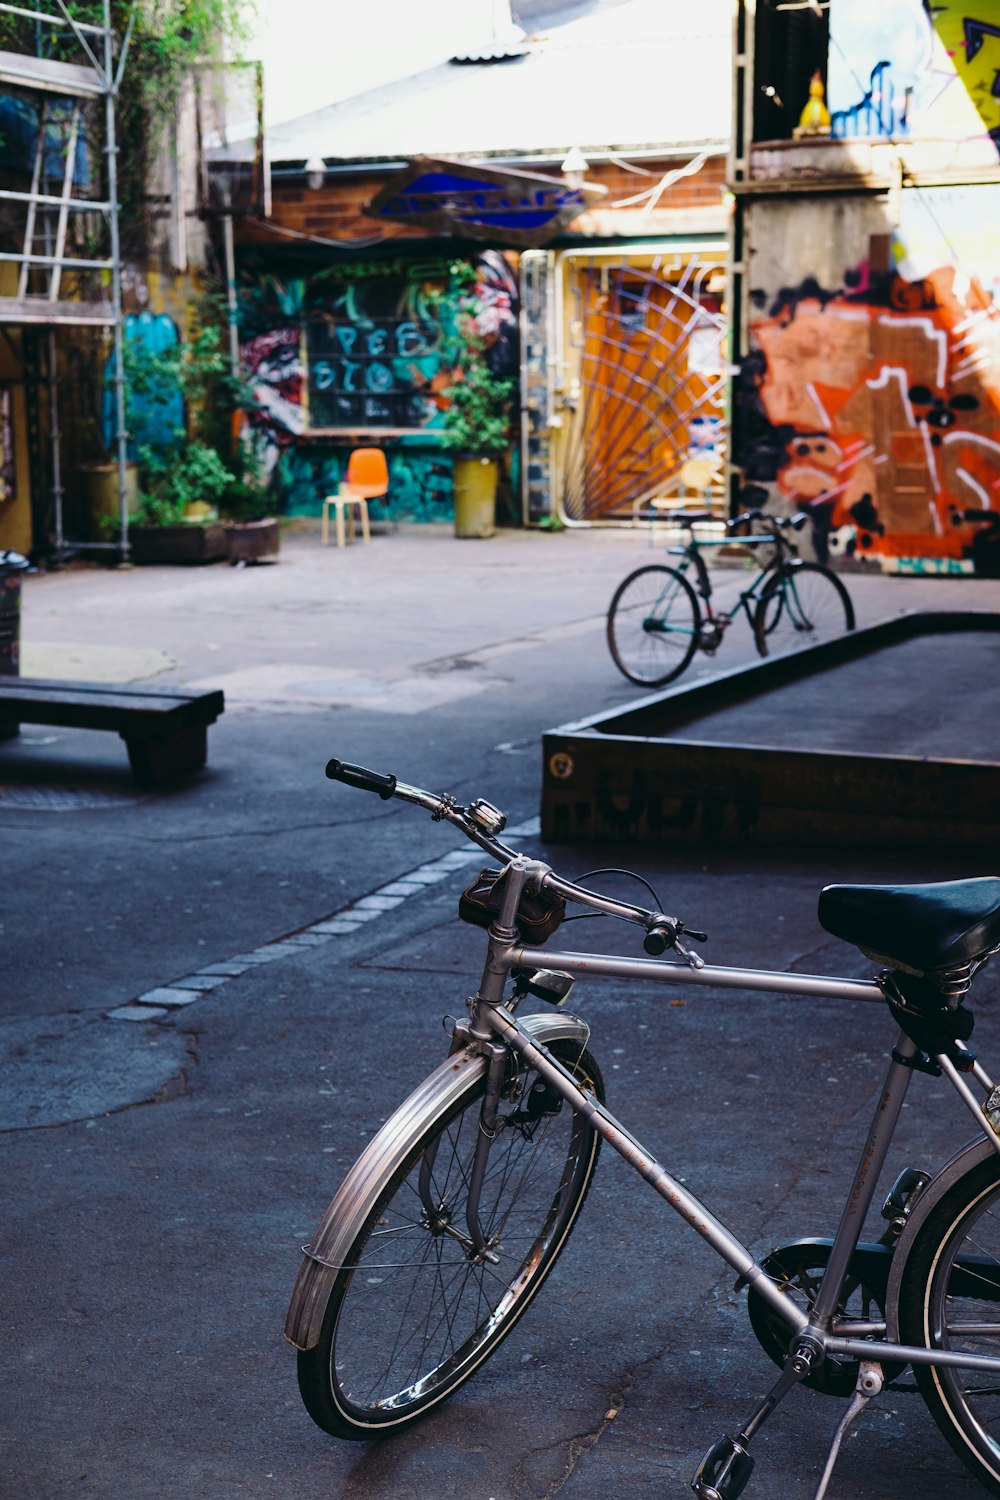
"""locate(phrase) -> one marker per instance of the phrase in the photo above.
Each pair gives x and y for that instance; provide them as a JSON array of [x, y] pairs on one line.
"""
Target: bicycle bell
[[487, 817]]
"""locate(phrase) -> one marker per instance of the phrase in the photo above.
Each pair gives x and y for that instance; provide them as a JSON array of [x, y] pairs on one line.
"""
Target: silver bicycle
[[448, 1224]]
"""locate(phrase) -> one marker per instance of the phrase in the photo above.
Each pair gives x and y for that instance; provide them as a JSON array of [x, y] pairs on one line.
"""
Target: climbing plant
[[169, 41]]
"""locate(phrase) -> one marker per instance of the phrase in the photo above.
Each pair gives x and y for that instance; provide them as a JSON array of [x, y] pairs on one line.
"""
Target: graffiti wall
[[871, 394], [909, 69], [361, 353]]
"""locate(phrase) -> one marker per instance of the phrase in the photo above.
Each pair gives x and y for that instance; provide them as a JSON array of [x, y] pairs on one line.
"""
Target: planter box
[[253, 541], [179, 544], [830, 745]]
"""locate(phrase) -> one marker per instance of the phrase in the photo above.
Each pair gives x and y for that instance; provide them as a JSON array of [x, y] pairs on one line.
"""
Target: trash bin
[[12, 566], [475, 496]]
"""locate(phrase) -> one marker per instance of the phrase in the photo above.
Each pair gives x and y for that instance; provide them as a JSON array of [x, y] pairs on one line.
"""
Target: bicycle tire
[[392, 1346], [945, 1290], [802, 604], [653, 625]]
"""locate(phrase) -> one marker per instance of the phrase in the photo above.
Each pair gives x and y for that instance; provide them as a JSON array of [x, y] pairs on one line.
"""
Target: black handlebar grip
[[361, 777]]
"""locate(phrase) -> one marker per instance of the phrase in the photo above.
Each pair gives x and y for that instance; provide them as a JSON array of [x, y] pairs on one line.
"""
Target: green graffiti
[[420, 482]]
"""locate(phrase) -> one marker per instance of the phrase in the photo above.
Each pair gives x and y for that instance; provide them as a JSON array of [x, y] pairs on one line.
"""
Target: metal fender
[[963, 1161], [384, 1153]]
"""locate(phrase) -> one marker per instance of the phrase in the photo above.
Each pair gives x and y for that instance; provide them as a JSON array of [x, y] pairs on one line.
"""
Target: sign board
[[523, 209]]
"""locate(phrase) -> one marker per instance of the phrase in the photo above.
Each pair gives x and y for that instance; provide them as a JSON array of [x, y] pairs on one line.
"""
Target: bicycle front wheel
[[414, 1309], [801, 604], [950, 1299], [653, 625]]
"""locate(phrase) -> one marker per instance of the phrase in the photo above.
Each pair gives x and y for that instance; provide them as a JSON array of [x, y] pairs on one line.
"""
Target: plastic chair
[[367, 479], [700, 480]]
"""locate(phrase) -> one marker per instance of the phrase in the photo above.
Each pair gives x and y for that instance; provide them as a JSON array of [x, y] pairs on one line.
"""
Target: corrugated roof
[[639, 75]]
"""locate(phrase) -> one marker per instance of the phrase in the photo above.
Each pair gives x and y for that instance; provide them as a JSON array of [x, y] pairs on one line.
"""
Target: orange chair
[[367, 479]]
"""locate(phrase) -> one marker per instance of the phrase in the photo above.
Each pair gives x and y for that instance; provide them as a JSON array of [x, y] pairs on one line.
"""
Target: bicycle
[[446, 1227], [655, 622]]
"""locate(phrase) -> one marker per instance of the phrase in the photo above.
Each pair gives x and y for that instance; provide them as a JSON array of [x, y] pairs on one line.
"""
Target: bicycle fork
[[436, 1212]]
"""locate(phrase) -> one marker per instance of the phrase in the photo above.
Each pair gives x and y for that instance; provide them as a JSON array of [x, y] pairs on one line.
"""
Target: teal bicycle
[[656, 622]]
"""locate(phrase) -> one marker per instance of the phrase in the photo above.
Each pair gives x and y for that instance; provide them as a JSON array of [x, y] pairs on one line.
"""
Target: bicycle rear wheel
[[653, 625], [801, 604], [414, 1310], [950, 1299]]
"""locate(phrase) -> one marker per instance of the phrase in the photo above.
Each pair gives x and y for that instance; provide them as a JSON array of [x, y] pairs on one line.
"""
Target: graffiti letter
[[377, 341], [976, 33], [409, 340], [378, 377], [322, 375], [347, 337], [350, 370]]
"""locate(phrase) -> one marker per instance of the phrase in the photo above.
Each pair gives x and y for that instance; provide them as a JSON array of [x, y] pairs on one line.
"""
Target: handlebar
[[773, 525], [480, 822], [363, 779], [763, 517]]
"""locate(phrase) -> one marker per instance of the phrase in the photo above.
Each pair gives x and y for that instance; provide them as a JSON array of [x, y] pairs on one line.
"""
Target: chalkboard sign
[[375, 373]]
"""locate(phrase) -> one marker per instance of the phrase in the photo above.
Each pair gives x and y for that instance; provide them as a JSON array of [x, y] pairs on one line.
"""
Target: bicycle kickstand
[[870, 1382]]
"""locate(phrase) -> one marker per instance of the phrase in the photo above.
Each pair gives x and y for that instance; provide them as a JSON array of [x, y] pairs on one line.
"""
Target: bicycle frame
[[492, 1021], [691, 556]]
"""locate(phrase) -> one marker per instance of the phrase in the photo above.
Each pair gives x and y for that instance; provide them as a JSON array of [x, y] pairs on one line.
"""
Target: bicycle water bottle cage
[[538, 915]]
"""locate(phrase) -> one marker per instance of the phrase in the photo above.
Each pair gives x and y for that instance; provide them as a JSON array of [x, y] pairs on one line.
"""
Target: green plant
[[170, 43], [477, 420], [171, 482], [181, 464], [246, 500]]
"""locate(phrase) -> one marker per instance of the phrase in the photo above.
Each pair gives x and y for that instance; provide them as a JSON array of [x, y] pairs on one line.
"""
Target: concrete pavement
[[213, 995]]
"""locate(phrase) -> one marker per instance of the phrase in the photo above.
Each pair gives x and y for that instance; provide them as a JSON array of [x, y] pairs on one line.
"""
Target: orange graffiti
[[894, 411]]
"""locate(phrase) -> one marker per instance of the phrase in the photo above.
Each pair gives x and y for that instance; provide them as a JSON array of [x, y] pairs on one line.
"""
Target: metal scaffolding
[[65, 87]]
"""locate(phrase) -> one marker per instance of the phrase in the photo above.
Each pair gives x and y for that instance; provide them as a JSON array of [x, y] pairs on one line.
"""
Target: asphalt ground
[[159, 1173]]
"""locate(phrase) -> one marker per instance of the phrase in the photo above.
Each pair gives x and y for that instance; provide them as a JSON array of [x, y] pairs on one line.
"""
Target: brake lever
[[692, 959]]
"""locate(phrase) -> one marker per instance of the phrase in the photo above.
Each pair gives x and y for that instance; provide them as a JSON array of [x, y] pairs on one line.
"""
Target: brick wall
[[336, 211]]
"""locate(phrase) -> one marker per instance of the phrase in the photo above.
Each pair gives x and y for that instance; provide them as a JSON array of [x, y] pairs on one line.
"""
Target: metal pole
[[121, 434], [54, 436], [234, 339]]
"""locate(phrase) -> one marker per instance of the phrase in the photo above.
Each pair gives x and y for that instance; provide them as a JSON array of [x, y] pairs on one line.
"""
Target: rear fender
[[384, 1153]]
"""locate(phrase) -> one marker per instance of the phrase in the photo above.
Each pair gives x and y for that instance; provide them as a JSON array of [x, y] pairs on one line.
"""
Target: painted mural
[[874, 403], [340, 353], [911, 69]]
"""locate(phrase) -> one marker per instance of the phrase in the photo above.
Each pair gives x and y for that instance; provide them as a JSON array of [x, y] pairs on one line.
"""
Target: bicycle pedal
[[724, 1471]]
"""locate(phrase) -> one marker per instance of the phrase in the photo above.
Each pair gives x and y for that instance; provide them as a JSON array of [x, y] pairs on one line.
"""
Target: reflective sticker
[[561, 765]]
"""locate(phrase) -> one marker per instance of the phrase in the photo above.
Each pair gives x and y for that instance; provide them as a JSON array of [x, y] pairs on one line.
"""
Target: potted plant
[[252, 532], [182, 473], [178, 520], [477, 421]]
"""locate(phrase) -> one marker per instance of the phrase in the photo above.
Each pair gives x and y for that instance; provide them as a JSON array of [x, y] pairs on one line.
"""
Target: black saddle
[[918, 929]]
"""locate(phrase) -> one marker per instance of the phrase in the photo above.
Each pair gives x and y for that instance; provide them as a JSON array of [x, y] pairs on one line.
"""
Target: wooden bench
[[165, 730]]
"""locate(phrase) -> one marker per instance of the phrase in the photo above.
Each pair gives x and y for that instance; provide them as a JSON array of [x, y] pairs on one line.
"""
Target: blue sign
[[483, 203]]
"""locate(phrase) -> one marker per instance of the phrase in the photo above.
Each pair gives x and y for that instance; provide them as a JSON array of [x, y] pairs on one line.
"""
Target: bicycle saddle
[[919, 929]]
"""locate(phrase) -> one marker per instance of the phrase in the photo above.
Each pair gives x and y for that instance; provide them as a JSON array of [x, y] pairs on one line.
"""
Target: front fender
[[963, 1161], [385, 1152]]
